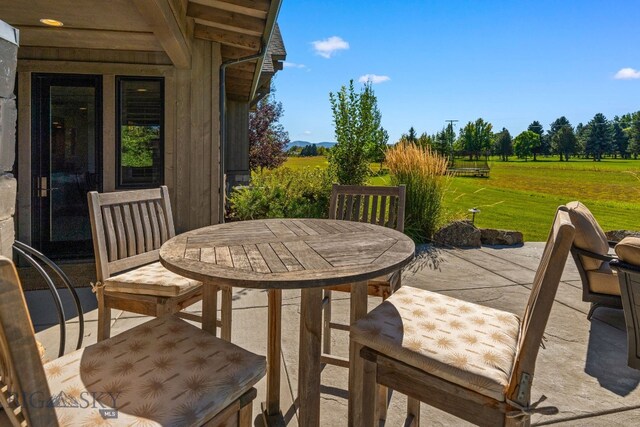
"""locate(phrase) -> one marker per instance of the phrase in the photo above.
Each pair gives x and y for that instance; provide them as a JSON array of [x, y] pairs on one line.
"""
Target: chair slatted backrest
[[373, 204], [128, 228], [24, 391], [543, 292]]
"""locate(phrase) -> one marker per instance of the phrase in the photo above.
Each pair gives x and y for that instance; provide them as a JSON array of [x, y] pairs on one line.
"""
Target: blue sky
[[509, 62]]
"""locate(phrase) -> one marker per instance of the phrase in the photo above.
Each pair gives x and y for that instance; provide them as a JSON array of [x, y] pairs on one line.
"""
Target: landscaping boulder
[[490, 236], [617, 235], [460, 234]]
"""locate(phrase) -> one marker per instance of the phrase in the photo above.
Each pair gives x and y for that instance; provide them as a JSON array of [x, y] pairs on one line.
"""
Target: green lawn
[[523, 195]]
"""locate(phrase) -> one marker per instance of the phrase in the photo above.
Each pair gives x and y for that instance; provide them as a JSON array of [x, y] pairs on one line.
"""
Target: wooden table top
[[287, 253]]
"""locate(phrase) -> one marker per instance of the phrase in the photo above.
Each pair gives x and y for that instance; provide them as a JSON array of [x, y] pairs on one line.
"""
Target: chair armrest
[[620, 265], [594, 255]]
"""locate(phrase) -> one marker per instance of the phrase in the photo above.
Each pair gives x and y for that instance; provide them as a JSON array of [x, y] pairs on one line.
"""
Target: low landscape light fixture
[[474, 211], [51, 22]]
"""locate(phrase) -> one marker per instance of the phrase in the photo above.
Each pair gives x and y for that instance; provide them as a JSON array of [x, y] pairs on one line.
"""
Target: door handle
[[42, 188]]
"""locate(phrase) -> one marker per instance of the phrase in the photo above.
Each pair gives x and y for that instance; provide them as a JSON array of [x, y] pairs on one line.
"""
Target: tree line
[[596, 139]]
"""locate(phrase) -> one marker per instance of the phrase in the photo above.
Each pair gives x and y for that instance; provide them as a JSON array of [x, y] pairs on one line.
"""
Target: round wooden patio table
[[277, 254]]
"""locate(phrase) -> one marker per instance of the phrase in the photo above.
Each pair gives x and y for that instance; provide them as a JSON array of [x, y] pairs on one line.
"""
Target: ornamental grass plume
[[424, 172]]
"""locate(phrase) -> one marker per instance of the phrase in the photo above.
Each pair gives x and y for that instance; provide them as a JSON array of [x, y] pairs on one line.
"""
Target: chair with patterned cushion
[[163, 372], [472, 361], [590, 251], [628, 268], [128, 228]]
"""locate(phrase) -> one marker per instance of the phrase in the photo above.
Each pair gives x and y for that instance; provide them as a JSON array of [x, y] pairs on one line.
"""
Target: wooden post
[[225, 313], [309, 366], [356, 364], [209, 308], [274, 352]]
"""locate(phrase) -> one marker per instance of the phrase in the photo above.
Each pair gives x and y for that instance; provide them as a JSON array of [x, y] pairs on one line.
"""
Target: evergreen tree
[[536, 127], [620, 138], [599, 137], [504, 144], [309, 150], [555, 127], [634, 134]]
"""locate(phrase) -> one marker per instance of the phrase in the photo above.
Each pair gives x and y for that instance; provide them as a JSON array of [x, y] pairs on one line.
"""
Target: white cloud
[[307, 132], [373, 78], [293, 65], [327, 47], [627, 74]]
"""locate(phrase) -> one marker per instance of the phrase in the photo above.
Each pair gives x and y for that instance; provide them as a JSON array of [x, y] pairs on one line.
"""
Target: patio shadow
[[607, 354]]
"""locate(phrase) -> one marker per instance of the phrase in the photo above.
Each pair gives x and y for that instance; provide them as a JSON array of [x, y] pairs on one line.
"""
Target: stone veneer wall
[[8, 118]]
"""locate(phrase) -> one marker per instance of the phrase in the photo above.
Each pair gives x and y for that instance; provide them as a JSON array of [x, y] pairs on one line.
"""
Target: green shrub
[[283, 193], [424, 172]]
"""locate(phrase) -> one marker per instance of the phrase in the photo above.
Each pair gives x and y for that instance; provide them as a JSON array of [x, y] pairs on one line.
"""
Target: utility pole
[[452, 123]]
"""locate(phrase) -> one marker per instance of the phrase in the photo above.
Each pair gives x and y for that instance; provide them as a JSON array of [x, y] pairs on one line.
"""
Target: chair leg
[[104, 315], [369, 412], [413, 412], [245, 417], [383, 402], [225, 313], [326, 329]]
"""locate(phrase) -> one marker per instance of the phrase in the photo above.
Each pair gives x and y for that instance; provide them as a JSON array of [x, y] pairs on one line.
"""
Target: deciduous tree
[[565, 142], [267, 137], [359, 134], [523, 144]]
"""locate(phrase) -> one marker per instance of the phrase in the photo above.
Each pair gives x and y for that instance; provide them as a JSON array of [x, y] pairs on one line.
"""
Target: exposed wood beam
[[88, 39], [227, 37], [255, 8], [238, 87], [169, 28], [245, 66], [230, 52], [224, 19], [234, 73]]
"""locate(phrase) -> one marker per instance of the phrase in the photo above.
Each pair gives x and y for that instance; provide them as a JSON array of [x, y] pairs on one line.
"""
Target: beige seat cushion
[[164, 372], [151, 279], [589, 236], [464, 343], [628, 250], [604, 280]]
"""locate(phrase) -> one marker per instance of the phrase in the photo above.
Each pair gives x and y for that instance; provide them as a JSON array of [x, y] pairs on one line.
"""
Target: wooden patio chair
[[628, 269], [472, 361], [128, 228], [590, 251], [376, 205], [163, 372]]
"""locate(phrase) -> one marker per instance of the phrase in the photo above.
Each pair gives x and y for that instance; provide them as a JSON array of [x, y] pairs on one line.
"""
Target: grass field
[[523, 195]]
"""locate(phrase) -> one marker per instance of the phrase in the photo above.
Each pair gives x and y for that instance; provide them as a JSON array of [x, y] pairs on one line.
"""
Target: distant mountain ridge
[[325, 144]]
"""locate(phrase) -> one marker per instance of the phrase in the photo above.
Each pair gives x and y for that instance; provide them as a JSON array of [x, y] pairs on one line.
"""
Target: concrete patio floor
[[582, 369]]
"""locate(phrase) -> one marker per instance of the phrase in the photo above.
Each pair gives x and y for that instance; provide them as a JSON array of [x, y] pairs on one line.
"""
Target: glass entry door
[[66, 161]]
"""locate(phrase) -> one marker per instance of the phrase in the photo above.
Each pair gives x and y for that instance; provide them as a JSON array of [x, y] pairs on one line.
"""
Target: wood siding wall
[[192, 131], [237, 153]]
